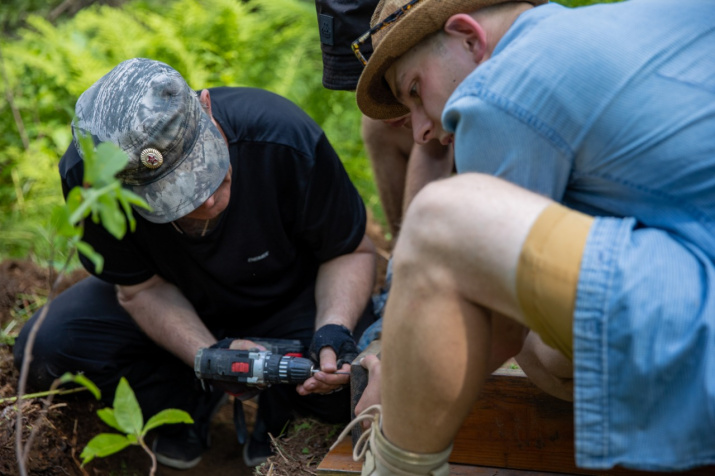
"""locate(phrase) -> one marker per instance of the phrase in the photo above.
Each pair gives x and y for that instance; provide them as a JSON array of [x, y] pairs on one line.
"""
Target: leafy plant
[[126, 416], [104, 200]]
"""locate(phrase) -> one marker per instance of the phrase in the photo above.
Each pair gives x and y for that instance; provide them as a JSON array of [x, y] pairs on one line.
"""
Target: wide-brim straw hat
[[374, 97]]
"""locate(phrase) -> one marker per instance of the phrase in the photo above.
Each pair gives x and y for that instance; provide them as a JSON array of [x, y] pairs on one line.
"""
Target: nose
[[209, 202], [422, 127]]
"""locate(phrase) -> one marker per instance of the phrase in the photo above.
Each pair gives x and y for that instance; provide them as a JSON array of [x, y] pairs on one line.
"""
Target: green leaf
[[103, 164], [110, 161], [168, 416], [80, 379], [134, 199], [128, 198], [60, 221], [96, 259], [112, 217], [102, 445], [74, 200], [126, 409], [86, 146], [107, 416]]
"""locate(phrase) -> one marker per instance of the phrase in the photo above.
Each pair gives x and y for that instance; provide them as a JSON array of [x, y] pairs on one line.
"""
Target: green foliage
[[272, 44], [81, 380], [126, 416], [103, 199]]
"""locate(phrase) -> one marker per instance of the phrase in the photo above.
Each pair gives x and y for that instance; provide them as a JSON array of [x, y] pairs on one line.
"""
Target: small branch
[[46, 393], [275, 444], [25, 370], [151, 455]]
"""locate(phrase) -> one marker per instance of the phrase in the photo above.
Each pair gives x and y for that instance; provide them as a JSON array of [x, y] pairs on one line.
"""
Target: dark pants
[[86, 330]]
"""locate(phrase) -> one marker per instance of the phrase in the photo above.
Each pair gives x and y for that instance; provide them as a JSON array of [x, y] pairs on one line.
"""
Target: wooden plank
[[513, 426], [339, 462], [516, 425]]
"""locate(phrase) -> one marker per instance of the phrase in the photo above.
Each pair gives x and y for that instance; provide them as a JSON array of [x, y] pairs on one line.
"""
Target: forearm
[[167, 317], [428, 162], [344, 285]]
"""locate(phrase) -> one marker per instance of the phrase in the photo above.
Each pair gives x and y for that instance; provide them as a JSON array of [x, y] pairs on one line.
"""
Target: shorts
[[634, 307], [548, 272]]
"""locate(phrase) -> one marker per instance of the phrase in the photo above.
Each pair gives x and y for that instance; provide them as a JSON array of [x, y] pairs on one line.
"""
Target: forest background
[[51, 51]]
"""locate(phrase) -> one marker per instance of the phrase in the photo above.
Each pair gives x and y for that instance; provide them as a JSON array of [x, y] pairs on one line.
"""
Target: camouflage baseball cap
[[177, 156]]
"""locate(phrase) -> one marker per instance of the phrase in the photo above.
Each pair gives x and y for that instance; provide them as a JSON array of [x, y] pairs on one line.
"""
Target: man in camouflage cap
[[255, 230], [581, 222]]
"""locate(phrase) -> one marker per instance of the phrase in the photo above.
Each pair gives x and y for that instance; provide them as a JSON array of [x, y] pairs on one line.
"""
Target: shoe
[[182, 450], [382, 458], [256, 452]]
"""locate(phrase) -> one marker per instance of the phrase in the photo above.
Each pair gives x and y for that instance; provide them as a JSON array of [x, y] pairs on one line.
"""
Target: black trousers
[[86, 330]]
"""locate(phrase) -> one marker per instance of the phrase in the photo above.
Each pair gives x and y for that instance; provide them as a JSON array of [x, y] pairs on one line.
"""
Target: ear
[[205, 100], [471, 32]]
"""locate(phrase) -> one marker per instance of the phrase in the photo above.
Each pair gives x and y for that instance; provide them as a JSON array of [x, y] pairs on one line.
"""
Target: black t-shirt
[[292, 207]]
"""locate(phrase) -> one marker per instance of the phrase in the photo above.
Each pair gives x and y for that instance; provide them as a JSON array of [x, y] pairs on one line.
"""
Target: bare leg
[[456, 258], [546, 367]]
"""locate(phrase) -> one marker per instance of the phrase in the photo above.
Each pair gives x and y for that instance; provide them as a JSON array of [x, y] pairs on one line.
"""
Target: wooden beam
[[513, 429]]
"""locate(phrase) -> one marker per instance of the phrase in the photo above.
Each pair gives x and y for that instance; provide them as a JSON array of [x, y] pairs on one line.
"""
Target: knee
[[430, 224]]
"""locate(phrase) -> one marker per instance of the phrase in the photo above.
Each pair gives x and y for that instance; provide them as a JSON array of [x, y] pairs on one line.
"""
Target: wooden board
[[513, 429], [340, 462]]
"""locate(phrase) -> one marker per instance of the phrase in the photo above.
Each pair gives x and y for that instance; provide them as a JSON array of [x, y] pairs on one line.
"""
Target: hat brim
[[373, 95], [192, 182]]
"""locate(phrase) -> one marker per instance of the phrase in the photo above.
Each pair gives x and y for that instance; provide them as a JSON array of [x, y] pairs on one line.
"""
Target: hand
[[245, 344], [238, 390], [339, 339], [326, 381], [371, 394]]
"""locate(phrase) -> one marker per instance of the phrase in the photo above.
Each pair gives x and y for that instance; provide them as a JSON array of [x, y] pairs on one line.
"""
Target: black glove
[[339, 338]]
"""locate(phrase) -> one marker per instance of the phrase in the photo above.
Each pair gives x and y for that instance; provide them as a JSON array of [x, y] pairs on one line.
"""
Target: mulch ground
[[62, 430]]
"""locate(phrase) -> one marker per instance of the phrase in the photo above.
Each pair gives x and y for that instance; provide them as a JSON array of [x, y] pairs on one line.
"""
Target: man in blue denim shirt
[[584, 211]]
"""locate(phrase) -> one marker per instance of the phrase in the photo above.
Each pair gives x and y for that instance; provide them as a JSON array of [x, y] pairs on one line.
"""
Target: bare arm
[[428, 162], [166, 316], [342, 290]]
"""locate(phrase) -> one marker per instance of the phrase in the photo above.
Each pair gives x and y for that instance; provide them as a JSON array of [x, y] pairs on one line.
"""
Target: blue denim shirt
[[610, 110]]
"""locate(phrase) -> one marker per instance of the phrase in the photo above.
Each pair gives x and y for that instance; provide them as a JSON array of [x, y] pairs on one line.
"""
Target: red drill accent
[[240, 367]]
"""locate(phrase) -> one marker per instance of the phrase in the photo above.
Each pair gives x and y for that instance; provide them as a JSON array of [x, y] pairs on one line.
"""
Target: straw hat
[[425, 17]]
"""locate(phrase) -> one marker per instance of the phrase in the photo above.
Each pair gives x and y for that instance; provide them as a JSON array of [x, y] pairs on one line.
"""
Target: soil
[[61, 433]]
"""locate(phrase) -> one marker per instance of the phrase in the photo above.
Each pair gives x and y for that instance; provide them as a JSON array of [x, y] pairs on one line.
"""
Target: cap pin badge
[[151, 158]]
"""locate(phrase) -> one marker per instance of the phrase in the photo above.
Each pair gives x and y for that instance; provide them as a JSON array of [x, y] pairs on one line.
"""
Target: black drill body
[[251, 367]]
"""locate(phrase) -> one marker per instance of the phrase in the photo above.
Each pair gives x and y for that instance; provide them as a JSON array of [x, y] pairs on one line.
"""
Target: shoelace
[[369, 436], [361, 445]]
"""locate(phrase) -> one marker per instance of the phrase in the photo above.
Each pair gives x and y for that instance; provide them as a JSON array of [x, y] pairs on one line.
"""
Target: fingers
[[371, 394], [325, 381], [370, 362], [245, 344], [328, 360]]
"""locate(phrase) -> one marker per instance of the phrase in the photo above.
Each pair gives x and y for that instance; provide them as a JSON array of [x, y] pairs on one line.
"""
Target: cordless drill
[[282, 363]]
